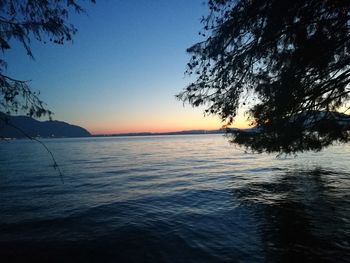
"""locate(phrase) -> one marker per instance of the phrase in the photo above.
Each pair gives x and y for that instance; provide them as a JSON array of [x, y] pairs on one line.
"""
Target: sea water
[[184, 198]]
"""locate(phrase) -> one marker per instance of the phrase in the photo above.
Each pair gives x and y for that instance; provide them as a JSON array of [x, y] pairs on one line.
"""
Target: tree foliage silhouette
[[22, 21], [286, 61]]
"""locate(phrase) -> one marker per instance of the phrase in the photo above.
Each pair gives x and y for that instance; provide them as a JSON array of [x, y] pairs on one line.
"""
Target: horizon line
[[201, 131]]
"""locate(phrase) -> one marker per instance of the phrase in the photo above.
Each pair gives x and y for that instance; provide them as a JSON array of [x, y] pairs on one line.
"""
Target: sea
[[182, 198]]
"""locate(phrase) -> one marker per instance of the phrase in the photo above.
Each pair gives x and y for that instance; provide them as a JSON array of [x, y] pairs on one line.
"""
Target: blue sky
[[122, 70]]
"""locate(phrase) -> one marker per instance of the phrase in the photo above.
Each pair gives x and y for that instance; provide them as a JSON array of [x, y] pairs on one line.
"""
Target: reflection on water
[[302, 216], [172, 199]]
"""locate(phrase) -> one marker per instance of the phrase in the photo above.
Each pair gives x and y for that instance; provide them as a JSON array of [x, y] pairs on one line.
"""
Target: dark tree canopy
[[287, 61], [22, 21]]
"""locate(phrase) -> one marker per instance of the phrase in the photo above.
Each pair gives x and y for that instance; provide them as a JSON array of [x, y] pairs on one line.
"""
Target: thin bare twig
[[55, 165]]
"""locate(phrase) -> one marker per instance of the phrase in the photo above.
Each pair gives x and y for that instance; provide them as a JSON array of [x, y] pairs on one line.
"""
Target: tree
[[22, 21], [287, 61]]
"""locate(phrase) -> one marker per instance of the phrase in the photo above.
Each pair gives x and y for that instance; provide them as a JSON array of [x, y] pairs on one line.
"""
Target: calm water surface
[[191, 198]]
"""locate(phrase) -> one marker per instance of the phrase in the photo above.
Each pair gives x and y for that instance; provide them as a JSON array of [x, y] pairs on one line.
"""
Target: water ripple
[[172, 199]]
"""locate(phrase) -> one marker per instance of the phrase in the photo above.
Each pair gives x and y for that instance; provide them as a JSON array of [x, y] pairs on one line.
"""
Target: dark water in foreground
[[171, 199]]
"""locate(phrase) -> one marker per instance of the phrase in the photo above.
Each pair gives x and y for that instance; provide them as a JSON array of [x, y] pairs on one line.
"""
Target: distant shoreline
[[138, 134], [189, 132]]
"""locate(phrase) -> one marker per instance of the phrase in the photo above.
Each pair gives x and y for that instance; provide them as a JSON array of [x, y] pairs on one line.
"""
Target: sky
[[123, 69]]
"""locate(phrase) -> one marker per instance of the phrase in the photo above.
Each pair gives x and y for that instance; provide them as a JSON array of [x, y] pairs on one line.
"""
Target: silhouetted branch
[[292, 57], [22, 22]]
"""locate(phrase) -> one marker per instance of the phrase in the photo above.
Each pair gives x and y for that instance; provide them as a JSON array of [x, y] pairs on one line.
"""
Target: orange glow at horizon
[[157, 125]]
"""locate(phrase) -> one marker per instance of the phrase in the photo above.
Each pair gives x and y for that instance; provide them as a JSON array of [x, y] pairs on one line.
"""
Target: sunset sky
[[123, 69]]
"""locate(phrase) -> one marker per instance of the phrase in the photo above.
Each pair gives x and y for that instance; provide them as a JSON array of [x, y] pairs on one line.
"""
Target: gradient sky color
[[123, 69]]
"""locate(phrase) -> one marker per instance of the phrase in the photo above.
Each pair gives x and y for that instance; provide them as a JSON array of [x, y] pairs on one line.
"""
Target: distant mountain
[[340, 118], [34, 128]]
